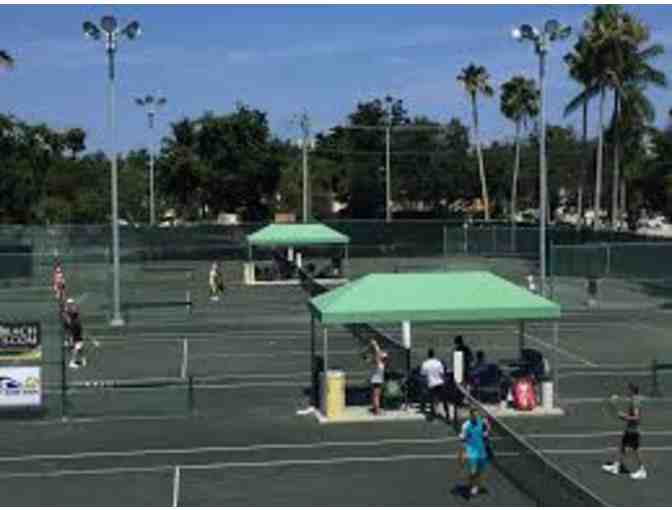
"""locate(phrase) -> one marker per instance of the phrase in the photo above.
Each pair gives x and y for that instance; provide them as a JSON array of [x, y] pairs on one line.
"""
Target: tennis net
[[528, 469]]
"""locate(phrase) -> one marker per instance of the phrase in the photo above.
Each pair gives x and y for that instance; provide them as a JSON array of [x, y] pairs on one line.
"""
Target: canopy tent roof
[[296, 235], [474, 296]]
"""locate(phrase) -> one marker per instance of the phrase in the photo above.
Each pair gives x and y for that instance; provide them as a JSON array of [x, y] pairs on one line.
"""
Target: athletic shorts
[[476, 465], [630, 440]]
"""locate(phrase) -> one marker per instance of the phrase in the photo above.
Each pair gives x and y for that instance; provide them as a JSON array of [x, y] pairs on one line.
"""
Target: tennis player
[[216, 282], [58, 282], [474, 453], [631, 437], [378, 376]]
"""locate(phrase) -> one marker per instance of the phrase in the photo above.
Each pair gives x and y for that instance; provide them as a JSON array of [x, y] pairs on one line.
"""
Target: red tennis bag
[[524, 398]]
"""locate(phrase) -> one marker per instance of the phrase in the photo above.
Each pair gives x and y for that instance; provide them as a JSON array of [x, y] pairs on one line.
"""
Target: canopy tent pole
[[314, 374], [325, 348], [346, 267], [556, 366], [406, 342], [521, 337]]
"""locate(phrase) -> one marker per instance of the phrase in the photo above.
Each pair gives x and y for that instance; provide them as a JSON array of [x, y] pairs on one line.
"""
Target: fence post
[[445, 246], [465, 229], [608, 269]]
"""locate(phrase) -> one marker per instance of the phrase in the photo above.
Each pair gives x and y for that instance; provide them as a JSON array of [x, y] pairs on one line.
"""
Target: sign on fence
[[20, 387], [20, 341]]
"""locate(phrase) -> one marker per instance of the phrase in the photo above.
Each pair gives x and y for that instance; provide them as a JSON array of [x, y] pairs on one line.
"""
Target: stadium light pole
[[306, 144], [110, 33], [553, 31], [388, 172], [151, 104]]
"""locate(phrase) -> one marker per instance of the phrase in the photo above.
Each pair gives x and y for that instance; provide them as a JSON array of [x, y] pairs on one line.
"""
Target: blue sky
[[282, 59]]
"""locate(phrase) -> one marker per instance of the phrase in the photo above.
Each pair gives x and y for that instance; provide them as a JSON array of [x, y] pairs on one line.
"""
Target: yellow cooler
[[333, 393]]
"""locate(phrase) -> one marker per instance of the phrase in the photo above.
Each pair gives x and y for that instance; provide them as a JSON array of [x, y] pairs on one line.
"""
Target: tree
[[474, 79], [519, 102], [616, 37], [74, 140], [580, 62]]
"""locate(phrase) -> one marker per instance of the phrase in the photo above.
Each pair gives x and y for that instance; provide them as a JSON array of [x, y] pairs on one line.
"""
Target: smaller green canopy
[[292, 234], [473, 296]]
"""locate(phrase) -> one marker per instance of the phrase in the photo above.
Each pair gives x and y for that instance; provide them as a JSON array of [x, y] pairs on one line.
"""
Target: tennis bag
[[524, 398]]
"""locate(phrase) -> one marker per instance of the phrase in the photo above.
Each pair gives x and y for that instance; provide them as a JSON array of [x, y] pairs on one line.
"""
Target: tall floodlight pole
[[110, 33], [305, 143], [388, 172], [151, 105], [553, 31]]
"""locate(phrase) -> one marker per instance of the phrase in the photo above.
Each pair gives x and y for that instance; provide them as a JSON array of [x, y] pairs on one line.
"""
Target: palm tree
[[616, 38], [6, 60], [519, 103], [580, 63], [475, 81]]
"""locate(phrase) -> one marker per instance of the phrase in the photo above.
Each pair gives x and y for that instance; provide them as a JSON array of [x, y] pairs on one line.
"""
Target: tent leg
[[314, 373], [325, 349], [556, 366]]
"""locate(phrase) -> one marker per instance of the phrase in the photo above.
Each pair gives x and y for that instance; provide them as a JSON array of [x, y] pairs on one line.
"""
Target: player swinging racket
[[631, 437], [58, 282]]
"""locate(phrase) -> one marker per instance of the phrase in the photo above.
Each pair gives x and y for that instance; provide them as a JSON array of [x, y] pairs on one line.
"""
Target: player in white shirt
[[434, 372]]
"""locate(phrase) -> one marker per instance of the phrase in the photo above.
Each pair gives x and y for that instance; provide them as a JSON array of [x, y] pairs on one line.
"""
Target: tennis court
[[237, 440]]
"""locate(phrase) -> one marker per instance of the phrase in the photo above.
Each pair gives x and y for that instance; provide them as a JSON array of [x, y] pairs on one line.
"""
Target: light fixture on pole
[[151, 104], [553, 31], [110, 33]]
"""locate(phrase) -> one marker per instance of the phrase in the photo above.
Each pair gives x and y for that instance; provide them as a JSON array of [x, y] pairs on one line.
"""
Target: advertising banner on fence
[[20, 387], [20, 341]]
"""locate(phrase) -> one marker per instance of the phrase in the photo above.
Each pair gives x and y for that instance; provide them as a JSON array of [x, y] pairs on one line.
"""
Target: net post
[[176, 486], [64, 375], [190, 394], [185, 359], [655, 389]]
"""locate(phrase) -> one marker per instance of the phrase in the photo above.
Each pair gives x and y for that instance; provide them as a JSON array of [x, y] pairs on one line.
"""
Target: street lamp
[[151, 105], [110, 33], [553, 31]]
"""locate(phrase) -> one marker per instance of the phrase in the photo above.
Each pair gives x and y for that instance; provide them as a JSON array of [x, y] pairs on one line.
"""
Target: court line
[[300, 446], [560, 350], [299, 462]]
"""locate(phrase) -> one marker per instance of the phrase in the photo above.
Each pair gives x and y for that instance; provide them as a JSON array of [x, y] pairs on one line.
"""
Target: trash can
[[333, 393]]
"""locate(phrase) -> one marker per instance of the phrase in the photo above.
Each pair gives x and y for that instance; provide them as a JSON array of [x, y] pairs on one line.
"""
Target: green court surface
[[237, 439]]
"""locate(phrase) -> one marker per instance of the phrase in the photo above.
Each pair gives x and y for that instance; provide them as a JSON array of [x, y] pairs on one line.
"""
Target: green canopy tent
[[457, 297], [293, 235]]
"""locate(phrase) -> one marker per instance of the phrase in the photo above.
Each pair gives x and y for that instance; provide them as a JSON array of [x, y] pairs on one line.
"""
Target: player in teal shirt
[[475, 454]]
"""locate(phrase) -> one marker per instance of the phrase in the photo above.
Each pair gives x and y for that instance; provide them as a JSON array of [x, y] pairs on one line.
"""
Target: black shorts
[[437, 393], [630, 440]]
